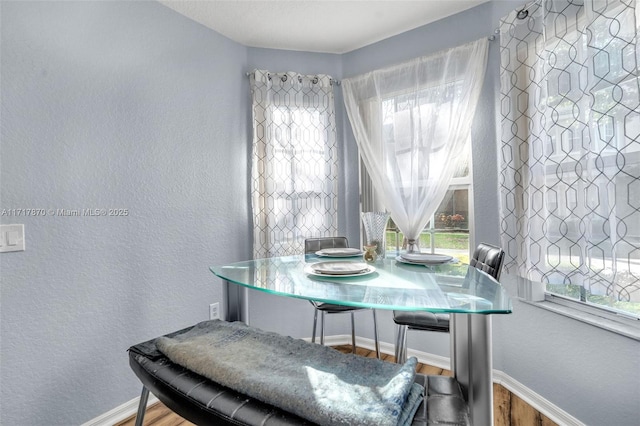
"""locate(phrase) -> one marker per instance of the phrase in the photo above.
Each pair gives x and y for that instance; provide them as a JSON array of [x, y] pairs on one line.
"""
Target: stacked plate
[[339, 269], [339, 252], [424, 258]]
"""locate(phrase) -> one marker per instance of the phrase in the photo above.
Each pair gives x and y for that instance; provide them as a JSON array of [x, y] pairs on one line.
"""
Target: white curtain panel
[[570, 149], [411, 122], [294, 174]]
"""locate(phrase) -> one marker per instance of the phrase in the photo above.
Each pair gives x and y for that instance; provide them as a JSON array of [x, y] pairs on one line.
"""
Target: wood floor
[[508, 409]]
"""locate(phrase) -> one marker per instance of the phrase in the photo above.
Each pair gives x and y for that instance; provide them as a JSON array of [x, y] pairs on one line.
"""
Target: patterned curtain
[[295, 161], [570, 149]]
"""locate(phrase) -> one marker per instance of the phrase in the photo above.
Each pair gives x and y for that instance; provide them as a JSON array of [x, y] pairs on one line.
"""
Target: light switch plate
[[11, 238]]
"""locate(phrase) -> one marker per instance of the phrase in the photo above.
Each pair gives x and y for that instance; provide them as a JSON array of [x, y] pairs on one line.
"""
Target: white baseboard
[[536, 401], [553, 412], [120, 413]]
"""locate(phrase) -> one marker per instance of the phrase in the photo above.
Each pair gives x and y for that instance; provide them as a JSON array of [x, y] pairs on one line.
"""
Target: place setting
[[425, 259], [339, 269], [339, 252]]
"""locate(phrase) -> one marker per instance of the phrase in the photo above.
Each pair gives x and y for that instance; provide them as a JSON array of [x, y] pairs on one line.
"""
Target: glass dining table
[[468, 294]]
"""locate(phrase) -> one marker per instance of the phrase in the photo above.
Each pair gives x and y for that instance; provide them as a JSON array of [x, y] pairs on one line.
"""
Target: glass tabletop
[[452, 288]]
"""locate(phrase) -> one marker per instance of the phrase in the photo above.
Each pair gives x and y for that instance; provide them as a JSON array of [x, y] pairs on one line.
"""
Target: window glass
[[448, 230]]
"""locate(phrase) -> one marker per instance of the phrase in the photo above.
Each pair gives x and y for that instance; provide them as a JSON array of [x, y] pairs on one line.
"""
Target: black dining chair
[[312, 245], [487, 258]]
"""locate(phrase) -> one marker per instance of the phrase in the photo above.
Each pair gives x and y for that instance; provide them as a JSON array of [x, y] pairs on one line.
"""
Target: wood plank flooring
[[508, 408]]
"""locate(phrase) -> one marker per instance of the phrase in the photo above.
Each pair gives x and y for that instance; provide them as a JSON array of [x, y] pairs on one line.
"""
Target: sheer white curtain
[[411, 122], [295, 161], [570, 154]]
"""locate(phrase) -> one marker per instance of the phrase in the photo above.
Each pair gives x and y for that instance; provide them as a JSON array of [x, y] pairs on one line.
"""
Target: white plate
[[339, 252], [425, 259], [339, 268], [309, 270]]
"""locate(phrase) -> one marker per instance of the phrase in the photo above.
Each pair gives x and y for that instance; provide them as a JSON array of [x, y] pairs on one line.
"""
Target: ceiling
[[315, 25]]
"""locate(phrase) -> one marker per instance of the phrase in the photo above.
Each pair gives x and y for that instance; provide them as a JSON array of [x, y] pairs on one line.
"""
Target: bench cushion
[[205, 402]]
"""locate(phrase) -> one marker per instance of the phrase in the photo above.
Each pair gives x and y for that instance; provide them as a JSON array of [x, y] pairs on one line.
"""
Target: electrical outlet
[[214, 311]]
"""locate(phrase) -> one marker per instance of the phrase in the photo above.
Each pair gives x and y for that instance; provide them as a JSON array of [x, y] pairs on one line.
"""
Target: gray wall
[[128, 104], [112, 105]]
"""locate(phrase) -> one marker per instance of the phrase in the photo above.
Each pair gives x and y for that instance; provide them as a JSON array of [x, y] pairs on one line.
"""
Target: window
[[295, 162], [447, 231], [570, 155], [412, 122], [301, 174]]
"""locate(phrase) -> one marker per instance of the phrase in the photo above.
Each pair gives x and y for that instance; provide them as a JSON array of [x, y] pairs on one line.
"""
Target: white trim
[[120, 413], [544, 406], [337, 340], [596, 316], [553, 412]]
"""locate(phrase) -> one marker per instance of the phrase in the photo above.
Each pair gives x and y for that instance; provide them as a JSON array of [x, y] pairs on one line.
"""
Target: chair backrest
[[489, 259], [312, 245]]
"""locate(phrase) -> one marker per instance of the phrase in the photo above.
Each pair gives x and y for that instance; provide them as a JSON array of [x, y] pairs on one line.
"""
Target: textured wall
[[112, 105], [130, 105]]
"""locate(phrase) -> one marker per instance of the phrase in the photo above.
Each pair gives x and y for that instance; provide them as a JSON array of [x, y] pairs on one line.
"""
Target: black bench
[[205, 402]]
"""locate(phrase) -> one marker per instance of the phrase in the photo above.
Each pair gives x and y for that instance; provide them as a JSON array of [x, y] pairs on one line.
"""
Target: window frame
[[597, 316]]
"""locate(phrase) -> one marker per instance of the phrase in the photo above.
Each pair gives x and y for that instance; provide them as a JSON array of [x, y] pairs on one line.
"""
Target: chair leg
[[353, 333], [401, 345], [315, 323], [322, 327], [375, 333], [142, 406], [403, 354]]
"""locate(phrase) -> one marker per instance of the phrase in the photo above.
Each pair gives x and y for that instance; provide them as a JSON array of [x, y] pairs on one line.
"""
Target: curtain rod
[[492, 37], [337, 82]]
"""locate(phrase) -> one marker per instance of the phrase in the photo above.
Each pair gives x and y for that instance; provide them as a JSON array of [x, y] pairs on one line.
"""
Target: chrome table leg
[[472, 364]]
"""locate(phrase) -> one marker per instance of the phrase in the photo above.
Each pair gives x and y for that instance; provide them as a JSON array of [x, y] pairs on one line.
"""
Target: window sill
[[626, 327]]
